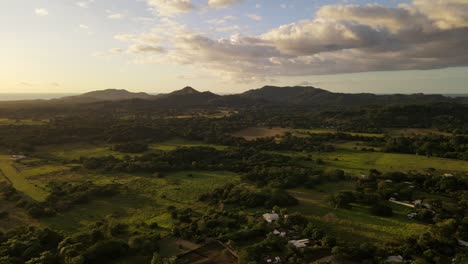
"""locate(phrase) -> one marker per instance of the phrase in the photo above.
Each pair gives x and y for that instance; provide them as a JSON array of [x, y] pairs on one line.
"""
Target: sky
[[229, 46]]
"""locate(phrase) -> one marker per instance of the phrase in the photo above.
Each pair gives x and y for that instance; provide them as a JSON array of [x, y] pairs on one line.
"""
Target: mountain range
[[267, 95], [295, 95]]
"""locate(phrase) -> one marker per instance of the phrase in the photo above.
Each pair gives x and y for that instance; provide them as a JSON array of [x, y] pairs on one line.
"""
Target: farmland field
[[146, 198], [19, 180], [175, 143], [252, 133], [30, 122], [356, 224]]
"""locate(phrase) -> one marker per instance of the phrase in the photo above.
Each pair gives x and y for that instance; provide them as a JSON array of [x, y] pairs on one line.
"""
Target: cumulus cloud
[[223, 3], [423, 34], [41, 12], [171, 7]]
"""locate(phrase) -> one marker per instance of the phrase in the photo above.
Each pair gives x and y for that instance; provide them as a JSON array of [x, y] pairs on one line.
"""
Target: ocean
[[32, 96]]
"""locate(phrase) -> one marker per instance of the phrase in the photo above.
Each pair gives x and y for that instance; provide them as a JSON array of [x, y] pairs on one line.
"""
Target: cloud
[[83, 26], [223, 3], [171, 7], [254, 17], [84, 4], [427, 34], [114, 15], [222, 20], [144, 48], [41, 12]]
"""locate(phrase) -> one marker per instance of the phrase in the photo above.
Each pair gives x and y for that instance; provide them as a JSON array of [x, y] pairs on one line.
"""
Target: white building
[[394, 259], [270, 217], [299, 243]]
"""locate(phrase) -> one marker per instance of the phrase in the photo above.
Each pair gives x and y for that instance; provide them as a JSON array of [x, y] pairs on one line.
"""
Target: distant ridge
[[107, 95], [307, 96]]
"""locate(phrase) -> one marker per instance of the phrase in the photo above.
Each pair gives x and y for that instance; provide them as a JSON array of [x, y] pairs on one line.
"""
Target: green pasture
[[19, 181], [356, 224], [176, 143], [145, 198], [30, 122]]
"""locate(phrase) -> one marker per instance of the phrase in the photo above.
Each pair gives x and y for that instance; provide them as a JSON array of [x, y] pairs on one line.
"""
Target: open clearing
[[19, 181], [69, 152], [145, 198], [356, 224], [362, 162], [30, 122], [333, 131], [357, 162], [177, 143], [252, 133]]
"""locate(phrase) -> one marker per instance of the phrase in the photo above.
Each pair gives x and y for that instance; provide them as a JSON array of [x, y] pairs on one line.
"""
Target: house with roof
[[302, 243], [270, 217], [394, 259]]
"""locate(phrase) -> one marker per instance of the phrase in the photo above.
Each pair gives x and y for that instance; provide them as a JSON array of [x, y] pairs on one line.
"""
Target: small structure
[[302, 243], [270, 217], [275, 260], [462, 243], [278, 233], [404, 203], [388, 181], [448, 175], [394, 259], [412, 215], [17, 157]]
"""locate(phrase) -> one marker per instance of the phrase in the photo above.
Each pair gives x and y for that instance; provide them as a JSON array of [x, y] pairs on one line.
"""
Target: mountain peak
[[109, 95], [186, 90]]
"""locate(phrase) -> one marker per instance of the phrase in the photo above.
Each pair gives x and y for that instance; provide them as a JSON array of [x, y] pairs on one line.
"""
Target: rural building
[[394, 259], [299, 243], [17, 157], [412, 215], [462, 243], [270, 217], [448, 175], [276, 232], [404, 203]]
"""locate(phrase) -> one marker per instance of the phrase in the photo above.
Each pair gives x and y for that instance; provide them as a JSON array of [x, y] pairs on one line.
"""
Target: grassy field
[[357, 162], [19, 181], [252, 133], [356, 224], [145, 199], [75, 151], [362, 162], [70, 152], [30, 122], [175, 143], [332, 130], [415, 131]]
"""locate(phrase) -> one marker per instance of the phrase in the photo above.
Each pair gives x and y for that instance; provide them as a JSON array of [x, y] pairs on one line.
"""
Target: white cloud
[[340, 39], [114, 15], [223, 3], [254, 17], [41, 12], [171, 7], [84, 4], [83, 26]]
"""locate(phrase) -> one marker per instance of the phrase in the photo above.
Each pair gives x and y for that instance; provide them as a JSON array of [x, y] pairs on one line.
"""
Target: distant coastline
[[32, 96]]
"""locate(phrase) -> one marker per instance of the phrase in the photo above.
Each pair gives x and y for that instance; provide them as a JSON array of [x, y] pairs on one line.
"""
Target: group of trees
[[242, 195], [62, 197], [102, 242]]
